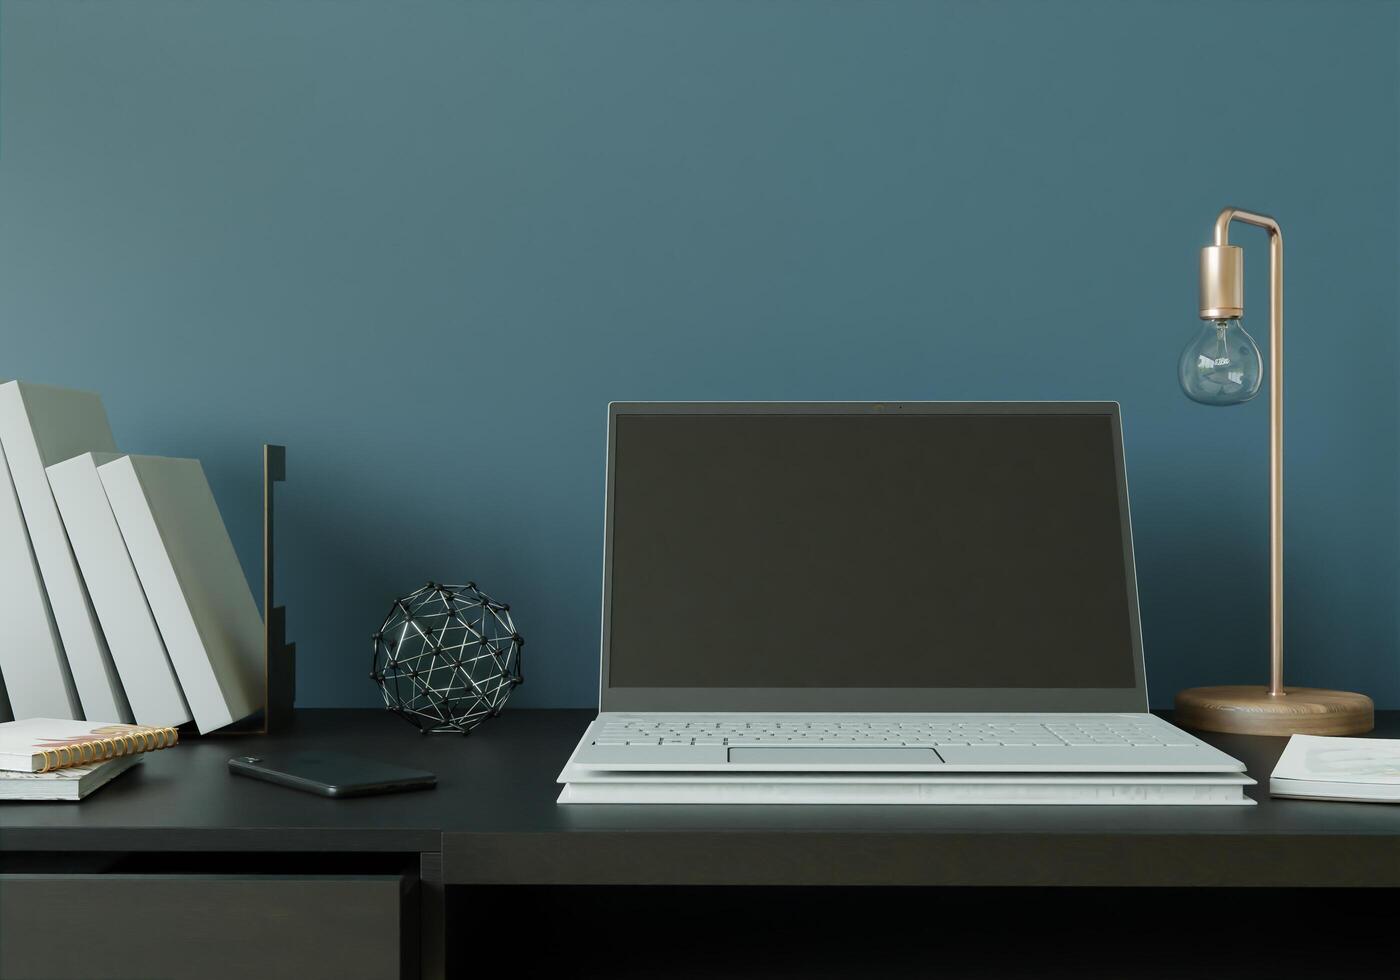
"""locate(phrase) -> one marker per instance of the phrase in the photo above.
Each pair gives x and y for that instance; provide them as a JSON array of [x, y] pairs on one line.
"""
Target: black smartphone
[[331, 773]]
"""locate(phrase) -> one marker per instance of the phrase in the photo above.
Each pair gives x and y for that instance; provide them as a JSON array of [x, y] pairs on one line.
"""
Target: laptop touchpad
[[804, 756]]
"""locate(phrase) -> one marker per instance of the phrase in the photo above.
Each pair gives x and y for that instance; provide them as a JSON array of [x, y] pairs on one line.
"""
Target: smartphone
[[331, 773]]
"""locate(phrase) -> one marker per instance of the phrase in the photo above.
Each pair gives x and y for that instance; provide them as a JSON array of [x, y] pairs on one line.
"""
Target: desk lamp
[[1223, 366]]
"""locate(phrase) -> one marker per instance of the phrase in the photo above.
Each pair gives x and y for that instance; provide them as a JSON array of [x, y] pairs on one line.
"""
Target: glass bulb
[[1222, 365]]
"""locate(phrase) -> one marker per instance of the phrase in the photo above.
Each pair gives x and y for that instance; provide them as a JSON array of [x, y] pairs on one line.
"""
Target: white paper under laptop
[[918, 587]]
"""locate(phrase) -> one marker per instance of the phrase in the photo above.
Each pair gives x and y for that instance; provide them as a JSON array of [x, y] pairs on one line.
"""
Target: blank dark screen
[[880, 550]]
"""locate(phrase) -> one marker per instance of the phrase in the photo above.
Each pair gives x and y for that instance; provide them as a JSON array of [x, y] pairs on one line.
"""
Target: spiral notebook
[[46, 744]]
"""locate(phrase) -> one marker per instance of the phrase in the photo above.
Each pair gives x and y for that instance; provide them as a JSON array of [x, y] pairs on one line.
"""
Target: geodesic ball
[[447, 657]]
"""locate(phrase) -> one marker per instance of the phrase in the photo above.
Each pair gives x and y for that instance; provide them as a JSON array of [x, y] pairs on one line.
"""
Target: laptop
[[872, 587]]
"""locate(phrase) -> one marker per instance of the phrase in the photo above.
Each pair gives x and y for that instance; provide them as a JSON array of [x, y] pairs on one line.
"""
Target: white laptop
[[896, 587]]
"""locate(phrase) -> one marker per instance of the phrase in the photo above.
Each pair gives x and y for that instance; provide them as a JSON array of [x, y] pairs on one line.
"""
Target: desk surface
[[494, 819]]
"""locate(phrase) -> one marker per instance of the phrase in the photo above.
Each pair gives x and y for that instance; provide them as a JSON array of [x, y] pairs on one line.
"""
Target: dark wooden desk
[[493, 821]]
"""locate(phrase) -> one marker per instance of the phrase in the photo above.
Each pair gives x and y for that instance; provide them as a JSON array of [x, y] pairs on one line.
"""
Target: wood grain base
[[1248, 710]]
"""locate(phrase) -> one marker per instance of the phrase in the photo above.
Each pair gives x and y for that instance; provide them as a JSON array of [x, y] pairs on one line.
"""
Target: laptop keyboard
[[759, 731]]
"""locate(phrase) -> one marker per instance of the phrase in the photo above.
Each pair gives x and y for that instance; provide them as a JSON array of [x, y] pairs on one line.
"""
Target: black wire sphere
[[447, 657]]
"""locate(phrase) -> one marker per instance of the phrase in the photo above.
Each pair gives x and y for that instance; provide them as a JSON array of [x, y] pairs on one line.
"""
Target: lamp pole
[[1272, 710]]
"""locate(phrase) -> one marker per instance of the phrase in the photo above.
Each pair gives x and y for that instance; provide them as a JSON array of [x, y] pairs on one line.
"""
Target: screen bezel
[[810, 699]]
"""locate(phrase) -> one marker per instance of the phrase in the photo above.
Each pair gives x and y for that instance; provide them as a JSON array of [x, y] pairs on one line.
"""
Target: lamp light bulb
[[1222, 364]]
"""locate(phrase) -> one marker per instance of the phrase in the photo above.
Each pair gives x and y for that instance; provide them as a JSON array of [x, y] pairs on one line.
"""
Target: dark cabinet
[[202, 926]]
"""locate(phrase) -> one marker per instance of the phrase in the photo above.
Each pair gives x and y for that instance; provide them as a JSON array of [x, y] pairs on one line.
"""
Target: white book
[[72, 783], [40, 426], [37, 678], [867, 789], [137, 648], [1319, 767], [193, 581]]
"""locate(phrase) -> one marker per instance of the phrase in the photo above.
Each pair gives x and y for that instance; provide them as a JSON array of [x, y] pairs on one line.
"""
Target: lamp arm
[[1227, 215], [1222, 237]]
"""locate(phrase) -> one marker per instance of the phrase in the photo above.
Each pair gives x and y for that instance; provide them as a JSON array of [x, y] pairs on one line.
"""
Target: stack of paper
[[1317, 767]]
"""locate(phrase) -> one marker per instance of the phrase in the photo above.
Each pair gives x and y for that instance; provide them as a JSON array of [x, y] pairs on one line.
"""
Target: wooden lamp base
[[1248, 710]]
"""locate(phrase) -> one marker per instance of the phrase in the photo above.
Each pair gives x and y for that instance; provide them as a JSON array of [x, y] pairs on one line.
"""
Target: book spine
[[68, 422], [37, 679], [192, 580], [137, 648]]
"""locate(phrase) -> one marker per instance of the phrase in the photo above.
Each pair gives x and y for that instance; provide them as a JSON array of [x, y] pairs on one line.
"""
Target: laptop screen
[[979, 549]]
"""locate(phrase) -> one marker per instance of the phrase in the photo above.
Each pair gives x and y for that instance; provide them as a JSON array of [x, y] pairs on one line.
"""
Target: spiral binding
[[102, 749]]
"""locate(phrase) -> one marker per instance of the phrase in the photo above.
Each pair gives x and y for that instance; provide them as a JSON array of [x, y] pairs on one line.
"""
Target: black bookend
[[280, 672], [279, 656]]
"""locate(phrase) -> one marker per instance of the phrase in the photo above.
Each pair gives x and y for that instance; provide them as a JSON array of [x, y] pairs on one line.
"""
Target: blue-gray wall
[[423, 244]]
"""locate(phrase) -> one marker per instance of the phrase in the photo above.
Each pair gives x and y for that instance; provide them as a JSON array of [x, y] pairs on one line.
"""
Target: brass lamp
[[1222, 366]]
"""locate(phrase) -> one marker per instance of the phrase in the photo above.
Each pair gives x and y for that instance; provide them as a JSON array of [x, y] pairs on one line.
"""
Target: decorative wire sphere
[[447, 657]]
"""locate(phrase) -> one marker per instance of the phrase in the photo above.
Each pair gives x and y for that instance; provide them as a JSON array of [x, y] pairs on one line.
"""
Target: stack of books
[[120, 590], [56, 759]]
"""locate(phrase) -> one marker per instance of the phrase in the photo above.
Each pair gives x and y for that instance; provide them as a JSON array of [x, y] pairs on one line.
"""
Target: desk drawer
[[254, 927]]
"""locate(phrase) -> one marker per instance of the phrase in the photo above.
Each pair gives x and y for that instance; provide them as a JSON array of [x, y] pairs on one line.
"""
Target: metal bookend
[[279, 656]]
